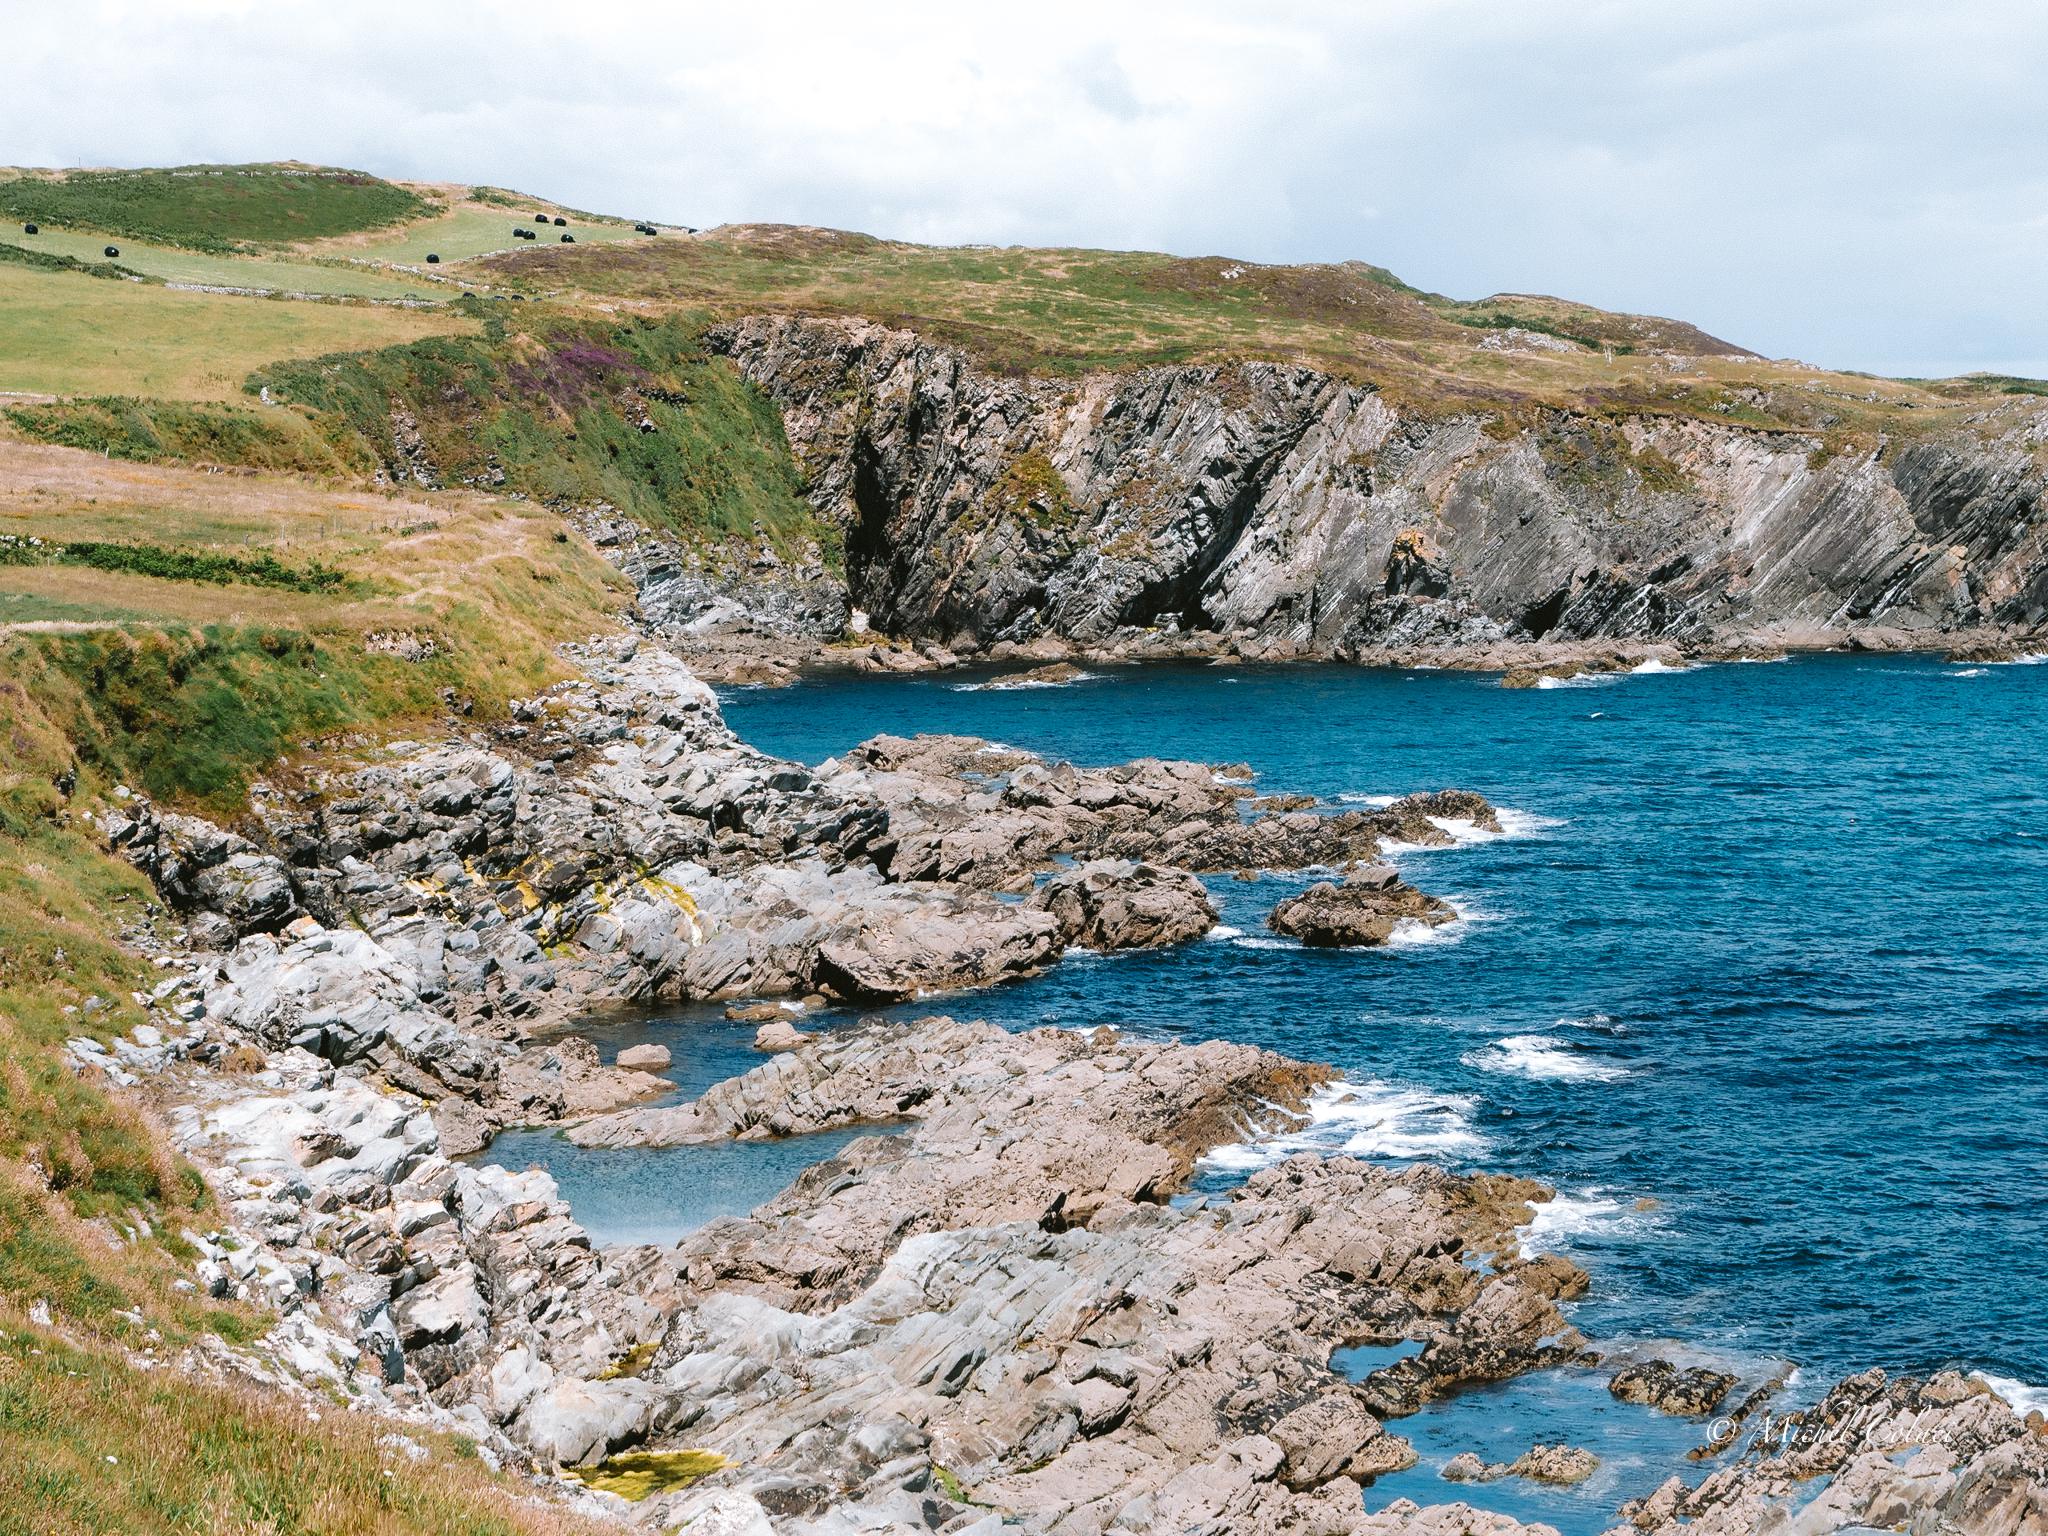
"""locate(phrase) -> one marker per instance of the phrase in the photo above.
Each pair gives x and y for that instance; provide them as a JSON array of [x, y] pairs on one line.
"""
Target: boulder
[[1660, 1384], [780, 1035], [1365, 909], [1115, 904], [643, 1058]]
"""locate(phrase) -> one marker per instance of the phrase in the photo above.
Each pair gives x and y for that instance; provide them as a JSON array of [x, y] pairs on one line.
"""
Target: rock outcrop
[[1000, 1306], [1281, 511], [423, 912], [1660, 1384], [1946, 1454], [1366, 909]]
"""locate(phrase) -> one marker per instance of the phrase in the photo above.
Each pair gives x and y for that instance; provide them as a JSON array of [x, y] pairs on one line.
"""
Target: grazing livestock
[[560, 221], [540, 218], [31, 229], [433, 260], [568, 239]]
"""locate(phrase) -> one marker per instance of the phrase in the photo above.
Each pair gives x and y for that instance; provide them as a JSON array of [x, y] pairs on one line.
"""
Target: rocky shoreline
[[1005, 1308]]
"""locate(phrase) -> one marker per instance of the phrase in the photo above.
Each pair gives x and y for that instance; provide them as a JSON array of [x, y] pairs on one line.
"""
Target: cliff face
[[1300, 514]]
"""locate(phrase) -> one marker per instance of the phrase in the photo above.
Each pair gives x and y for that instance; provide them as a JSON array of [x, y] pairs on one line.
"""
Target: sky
[[1855, 183]]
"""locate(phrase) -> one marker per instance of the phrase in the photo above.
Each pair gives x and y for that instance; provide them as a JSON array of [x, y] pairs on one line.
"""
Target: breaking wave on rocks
[[2023, 1398], [1543, 1058], [1581, 680], [1593, 1213], [1369, 1119], [1020, 684]]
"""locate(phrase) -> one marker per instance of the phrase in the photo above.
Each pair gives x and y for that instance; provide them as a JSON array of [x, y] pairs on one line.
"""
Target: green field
[[65, 334], [469, 231], [211, 207], [266, 273]]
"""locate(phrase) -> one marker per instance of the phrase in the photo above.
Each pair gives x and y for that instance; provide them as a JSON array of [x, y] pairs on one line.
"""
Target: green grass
[[262, 570], [211, 208], [165, 431], [63, 333], [557, 411], [472, 231], [1067, 313], [96, 1446], [267, 274], [92, 1196]]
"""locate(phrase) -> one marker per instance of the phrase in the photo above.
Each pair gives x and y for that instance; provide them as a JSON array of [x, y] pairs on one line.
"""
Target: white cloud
[[1857, 182]]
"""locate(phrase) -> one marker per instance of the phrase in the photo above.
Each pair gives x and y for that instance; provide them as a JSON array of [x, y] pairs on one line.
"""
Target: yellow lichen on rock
[[639, 1474]]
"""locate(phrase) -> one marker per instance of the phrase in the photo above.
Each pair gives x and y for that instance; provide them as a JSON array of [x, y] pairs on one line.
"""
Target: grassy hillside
[[63, 333], [568, 410], [211, 207], [1066, 312], [180, 631]]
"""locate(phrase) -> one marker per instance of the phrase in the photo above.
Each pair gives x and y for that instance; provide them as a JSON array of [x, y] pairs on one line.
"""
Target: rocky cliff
[[1293, 513]]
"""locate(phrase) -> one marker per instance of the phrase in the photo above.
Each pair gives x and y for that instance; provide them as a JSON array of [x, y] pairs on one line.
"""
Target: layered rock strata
[[1279, 511]]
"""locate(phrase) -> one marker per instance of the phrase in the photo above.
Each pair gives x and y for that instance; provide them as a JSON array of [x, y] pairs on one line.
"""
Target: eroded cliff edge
[[1288, 512]]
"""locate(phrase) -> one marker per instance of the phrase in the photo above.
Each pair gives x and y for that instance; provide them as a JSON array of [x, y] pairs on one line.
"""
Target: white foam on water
[[1010, 685], [1969, 672], [1370, 1119], [2023, 1398], [1654, 666], [1580, 680], [1592, 1213], [1596, 1021], [1378, 802], [1413, 933], [1259, 941], [1224, 931], [1513, 824], [1542, 1059]]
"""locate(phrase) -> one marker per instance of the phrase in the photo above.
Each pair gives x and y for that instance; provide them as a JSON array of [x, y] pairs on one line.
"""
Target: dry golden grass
[[95, 1446], [417, 557]]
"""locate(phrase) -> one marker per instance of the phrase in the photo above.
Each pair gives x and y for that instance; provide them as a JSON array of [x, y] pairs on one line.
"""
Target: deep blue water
[[1762, 987]]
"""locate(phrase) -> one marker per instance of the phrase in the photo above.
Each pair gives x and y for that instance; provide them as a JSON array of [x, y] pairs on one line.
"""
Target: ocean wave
[[1581, 680], [1513, 824], [1654, 666], [1593, 1213], [1542, 1058], [1224, 931], [1263, 941], [1599, 1023], [1370, 1119], [1018, 684], [2023, 1398], [1413, 933], [1969, 672]]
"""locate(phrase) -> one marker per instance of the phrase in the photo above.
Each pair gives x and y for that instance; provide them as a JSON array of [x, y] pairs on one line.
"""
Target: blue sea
[[1758, 981]]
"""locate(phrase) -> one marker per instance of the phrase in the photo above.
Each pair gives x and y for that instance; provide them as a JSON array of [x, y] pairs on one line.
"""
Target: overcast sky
[[1857, 183]]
